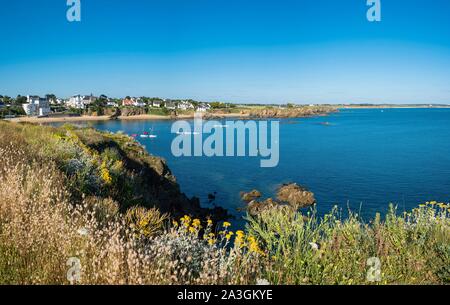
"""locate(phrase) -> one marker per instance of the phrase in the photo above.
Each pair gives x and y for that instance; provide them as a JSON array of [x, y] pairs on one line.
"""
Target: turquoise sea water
[[362, 159]]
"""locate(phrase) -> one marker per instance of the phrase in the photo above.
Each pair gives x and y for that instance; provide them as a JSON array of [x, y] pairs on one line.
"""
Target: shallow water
[[362, 159]]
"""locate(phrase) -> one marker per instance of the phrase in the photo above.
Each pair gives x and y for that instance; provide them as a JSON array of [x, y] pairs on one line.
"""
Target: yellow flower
[[196, 223], [240, 233], [209, 222], [105, 173], [192, 230], [211, 242], [186, 220], [175, 224], [226, 224]]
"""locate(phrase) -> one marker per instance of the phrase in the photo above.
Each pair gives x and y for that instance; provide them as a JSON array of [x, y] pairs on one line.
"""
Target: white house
[[203, 107], [36, 106], [112, 104], [156, 104], [76, 101], [184, 105], [137, 102], [171, 105], [80, 101]]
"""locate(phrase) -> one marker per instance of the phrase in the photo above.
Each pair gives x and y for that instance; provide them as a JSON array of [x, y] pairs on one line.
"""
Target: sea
[[360, 160]]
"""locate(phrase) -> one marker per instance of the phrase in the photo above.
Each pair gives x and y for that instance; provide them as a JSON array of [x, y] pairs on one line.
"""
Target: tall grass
[[43, 224]]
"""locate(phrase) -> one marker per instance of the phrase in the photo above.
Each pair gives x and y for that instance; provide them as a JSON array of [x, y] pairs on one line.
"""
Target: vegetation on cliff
[[68, 193]]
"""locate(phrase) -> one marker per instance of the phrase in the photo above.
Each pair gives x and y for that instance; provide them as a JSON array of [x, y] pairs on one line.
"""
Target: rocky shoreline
[[260, 113]]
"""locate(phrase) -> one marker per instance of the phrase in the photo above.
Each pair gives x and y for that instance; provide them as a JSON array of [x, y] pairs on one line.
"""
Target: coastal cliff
[[105, 166]]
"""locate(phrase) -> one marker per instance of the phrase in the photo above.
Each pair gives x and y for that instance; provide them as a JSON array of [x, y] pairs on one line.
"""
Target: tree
[[20, 100], [50, 97], [217, 105]]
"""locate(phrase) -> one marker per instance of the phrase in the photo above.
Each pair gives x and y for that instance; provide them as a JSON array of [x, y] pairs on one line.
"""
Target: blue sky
[[261, 51]]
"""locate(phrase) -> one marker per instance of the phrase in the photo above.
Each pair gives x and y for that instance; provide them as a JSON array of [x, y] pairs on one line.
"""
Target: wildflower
[[192, 230], [106, 176], [229, 235], [211, 241], [253, 245], [262, 282], [226, 224], [175, 224], [196, 223], [314, 246], [186, 221], [209, 222], [83, 231], [240, 238]]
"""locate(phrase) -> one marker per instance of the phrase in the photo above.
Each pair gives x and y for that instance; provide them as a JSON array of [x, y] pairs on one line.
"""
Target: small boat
[[188, 133], [144, 135], [152, 136]]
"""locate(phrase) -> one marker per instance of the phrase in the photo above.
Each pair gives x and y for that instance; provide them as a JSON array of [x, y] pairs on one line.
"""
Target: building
[[184, 105], [127, 102], [80, 101], [171, 105], [156, 104], [76, 101], [112, 104], [36, 105], [136, 102], [88, 99], [203, 107]]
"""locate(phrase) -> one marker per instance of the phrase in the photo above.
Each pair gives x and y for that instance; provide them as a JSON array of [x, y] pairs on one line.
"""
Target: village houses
[[37, 106]]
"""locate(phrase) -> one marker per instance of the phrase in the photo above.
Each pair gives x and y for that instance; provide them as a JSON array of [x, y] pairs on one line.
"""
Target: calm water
[[365, 158]]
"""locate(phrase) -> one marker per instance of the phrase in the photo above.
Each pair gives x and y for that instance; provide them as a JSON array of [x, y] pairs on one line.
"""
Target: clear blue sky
[[266, 51]]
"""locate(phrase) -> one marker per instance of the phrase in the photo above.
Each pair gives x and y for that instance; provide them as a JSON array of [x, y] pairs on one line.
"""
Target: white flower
[[83, 231], [262, 282], [314, 246]]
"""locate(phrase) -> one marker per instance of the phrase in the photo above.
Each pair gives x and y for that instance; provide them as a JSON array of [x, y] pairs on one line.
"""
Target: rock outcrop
[[290, 196], [250, 196], [295, 112], [296, 196]]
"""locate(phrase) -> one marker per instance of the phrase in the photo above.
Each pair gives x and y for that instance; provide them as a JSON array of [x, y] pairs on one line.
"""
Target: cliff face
[[295, 112], [107, 165]]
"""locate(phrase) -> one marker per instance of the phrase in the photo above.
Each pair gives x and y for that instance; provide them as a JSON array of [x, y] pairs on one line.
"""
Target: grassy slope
[[67, 193]]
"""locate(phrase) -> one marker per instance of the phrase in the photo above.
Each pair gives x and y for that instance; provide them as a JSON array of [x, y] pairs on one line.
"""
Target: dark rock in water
[[250, 196], [212, 197], [296, 196]]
